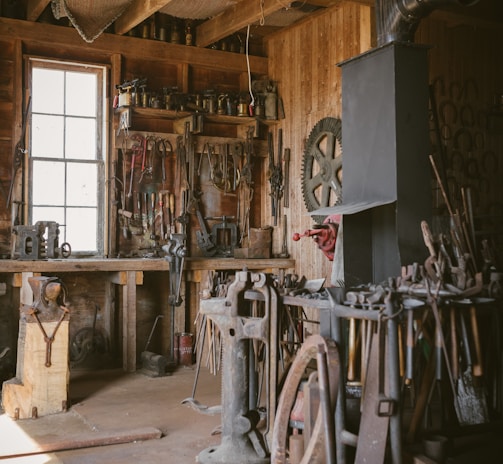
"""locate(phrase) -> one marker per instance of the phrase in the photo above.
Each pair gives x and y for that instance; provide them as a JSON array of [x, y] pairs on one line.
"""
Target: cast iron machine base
[[241, 440]]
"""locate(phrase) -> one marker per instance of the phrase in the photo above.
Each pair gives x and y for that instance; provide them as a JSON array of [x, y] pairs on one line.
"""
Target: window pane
[[48, 213], [47, 91], [81, 94], [82, 184], [81, 138], [81, 227], [47, 136], [48, 183]]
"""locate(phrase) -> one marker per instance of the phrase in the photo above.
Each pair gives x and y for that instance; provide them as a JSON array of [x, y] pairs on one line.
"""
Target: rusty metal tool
[[161, 150], [237, 154], [284, 247], [270, 148], [286, 178], [204, 238], [471, 406], [224, 235], [136, 150], [153, 364], [172, 215], [152, 214], [144, 212], [176, 251], [163, 196]]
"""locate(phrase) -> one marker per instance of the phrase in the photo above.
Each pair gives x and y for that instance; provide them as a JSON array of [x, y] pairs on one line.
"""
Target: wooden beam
[[33, 35], [137, 12], [233, 19], [35, 8], [121, 277]]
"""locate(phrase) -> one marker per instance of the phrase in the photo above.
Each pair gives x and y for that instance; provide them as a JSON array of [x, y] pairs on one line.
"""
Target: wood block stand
[[42, 374]]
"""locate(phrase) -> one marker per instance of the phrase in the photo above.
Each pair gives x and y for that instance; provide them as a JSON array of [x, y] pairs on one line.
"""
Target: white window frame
[[101, 150]]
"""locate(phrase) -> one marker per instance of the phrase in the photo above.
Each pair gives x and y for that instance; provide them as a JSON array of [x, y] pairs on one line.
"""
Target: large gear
[[322, 166]]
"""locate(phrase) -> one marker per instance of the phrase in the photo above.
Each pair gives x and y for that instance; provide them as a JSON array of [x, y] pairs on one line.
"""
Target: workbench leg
[[109, 314], [129, 322]]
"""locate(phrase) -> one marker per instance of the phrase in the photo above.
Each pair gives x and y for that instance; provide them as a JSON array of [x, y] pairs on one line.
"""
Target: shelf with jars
[[135, 103]]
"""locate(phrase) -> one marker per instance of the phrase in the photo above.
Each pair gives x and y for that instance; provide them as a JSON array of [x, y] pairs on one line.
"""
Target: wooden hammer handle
[[477, 362]]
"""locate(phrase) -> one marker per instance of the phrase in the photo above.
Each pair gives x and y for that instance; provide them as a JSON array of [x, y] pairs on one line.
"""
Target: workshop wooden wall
[[466, 72], [303, 59], [8, 64]]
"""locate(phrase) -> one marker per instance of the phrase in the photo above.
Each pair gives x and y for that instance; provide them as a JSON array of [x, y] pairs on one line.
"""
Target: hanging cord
[[262, 14], [252, 102]]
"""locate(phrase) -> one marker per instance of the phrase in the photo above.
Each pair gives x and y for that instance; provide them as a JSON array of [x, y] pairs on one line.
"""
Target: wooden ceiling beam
[[137, 12], [233, 19], [34, 9]]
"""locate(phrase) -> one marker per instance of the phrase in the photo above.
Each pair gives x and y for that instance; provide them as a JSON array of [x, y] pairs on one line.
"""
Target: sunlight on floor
[[35, 459], [12, 433]]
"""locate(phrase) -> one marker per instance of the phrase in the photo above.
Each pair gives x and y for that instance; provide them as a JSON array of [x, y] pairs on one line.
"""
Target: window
[[66, 152]]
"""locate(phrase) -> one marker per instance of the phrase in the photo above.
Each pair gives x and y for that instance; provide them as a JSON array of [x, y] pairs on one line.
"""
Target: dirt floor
[[145, 415]]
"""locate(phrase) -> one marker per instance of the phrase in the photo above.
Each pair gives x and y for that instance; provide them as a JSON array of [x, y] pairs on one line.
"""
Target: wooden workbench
[[128, 273]]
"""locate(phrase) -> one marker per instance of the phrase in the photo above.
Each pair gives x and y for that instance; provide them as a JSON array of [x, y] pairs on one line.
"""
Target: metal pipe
[[398, 20]]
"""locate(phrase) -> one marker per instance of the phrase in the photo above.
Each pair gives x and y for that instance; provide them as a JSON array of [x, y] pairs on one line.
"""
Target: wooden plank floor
[[114, 405]]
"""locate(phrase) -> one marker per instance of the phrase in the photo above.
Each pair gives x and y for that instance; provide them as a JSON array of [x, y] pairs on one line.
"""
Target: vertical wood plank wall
[[466, 73], [303, 60]]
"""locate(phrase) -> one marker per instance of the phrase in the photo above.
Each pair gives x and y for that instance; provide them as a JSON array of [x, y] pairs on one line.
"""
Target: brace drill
[[241, 441]]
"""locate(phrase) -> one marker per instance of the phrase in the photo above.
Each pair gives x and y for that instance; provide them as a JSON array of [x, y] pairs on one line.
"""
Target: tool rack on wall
[[198, 174]]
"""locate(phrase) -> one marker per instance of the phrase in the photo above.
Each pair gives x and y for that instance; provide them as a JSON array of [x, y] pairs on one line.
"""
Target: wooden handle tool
[[477, 362]]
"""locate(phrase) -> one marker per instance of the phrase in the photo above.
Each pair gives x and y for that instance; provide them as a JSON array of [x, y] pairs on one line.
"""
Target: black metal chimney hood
[[385, 146], [387, 181]]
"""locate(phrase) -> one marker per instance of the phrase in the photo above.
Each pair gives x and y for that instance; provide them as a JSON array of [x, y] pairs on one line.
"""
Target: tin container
[[185, 348]]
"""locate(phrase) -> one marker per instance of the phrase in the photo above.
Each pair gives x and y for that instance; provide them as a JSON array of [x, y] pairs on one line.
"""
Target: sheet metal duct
[[397, 20], [387, 181]]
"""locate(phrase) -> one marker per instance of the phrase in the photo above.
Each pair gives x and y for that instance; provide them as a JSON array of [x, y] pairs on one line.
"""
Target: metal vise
[[40, 241], [241, 440]]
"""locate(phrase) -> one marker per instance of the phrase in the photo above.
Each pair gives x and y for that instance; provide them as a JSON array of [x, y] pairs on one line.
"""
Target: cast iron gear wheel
[[322, 166]]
